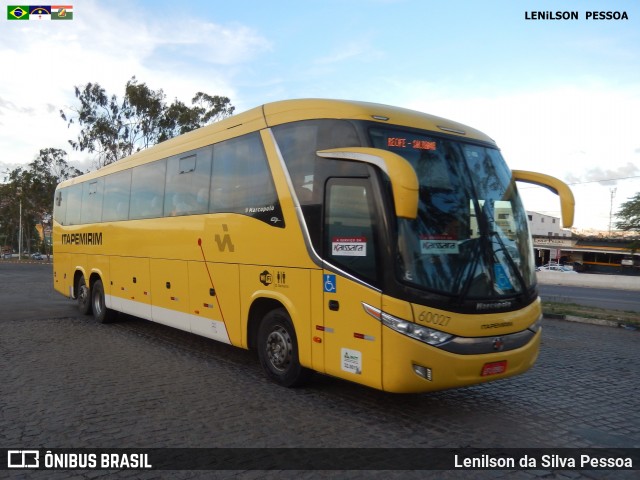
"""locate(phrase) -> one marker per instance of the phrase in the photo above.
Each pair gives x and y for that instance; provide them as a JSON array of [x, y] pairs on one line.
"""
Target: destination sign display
[[416, 144]]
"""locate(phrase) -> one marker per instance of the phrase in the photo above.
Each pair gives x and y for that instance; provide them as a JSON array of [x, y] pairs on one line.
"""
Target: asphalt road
[[609, 299], [67, 381]]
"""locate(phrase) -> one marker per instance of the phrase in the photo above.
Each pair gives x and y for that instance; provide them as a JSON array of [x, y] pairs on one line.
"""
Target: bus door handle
[[334, 305]]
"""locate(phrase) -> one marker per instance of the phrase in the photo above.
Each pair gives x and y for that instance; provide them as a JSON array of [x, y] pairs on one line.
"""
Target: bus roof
[[285, 111], [291, 110]]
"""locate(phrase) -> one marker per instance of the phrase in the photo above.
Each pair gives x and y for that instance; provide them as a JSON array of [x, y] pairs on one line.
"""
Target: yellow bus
[[371, 243]]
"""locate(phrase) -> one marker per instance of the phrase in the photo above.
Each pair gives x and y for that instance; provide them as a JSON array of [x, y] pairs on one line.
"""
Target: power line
[[586, 183], [604, 180]]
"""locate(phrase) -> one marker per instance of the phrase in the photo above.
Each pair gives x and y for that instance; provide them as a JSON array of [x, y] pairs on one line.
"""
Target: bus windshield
[[470, 239]]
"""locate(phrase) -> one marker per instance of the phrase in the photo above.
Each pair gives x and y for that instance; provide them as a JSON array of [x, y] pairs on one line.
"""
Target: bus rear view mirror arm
[[404, 181], [567, 202]]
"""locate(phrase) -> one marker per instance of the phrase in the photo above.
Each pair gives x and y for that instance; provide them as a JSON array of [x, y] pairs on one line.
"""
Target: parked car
[[555, 268], [627, 261], [577, 266], [36, 256]]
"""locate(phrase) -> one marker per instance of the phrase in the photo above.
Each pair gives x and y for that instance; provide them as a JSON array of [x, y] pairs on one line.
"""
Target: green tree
[[32, 188], [114, 128], [629, 215]]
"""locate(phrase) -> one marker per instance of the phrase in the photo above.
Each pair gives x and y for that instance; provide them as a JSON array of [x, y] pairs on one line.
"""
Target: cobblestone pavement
[[67, 381]]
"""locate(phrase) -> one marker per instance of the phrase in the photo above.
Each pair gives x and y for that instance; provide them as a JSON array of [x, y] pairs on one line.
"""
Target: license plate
[[494, 368]]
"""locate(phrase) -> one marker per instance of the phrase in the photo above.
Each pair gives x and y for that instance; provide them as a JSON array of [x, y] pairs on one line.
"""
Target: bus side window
[[74, 204], [92, 193], [223, 182], [241, 181], [115, 204], [147, 184], [350, 237], [60, 206], [187, 184], [299, 142]]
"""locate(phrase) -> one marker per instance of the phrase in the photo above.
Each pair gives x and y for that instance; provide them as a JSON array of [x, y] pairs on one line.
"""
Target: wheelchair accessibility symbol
[[329, 283]]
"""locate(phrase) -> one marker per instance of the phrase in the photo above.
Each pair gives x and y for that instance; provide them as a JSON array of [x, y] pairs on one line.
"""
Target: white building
[[541, 225]]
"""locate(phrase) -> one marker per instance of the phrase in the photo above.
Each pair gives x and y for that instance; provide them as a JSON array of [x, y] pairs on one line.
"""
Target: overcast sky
[[559, 97]]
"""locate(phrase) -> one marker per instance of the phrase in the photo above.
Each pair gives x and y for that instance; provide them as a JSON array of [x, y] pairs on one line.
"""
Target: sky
[[560, 97]]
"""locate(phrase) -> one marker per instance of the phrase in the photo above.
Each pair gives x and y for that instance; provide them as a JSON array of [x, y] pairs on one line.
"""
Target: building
[[551, 242], [546, 226]]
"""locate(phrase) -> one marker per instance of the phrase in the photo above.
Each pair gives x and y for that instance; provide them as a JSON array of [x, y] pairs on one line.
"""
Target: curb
[[591, 321], [25, 262]]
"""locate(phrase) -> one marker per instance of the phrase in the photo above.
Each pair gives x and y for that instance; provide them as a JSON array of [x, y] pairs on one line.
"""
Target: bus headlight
[[410, 329], [537, 325], [424, 334]]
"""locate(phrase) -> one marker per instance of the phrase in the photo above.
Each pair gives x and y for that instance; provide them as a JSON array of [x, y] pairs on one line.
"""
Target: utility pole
[[613, 194], [20, 227]]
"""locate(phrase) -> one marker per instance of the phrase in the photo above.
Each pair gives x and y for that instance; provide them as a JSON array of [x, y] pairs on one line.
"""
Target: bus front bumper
[[411, 366]]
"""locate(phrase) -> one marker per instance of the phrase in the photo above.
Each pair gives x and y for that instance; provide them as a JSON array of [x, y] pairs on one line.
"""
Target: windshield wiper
[[484, 248], [475, 254]]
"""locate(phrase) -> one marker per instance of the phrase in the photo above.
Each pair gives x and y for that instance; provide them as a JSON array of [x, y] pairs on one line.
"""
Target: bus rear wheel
[[100, 312], [83, 296], [278, 350]]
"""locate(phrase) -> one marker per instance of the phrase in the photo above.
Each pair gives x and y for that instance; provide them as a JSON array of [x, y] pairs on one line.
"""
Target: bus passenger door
[[352, 338]]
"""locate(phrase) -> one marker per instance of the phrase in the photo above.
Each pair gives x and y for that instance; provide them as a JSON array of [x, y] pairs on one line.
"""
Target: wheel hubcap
[[279, 348]]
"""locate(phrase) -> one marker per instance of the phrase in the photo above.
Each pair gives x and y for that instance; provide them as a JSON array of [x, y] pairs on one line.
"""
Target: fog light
[[424, 372]]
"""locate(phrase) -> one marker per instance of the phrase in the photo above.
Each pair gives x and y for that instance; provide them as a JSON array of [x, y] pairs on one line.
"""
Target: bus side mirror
[[404, 181], [567, 202]]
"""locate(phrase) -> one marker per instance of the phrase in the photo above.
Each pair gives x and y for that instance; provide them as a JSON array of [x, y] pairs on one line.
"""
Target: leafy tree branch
[[113, 128]]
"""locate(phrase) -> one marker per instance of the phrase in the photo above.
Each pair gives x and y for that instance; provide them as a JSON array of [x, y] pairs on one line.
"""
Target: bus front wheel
[[278, 350], [83, 295], [100, 312]]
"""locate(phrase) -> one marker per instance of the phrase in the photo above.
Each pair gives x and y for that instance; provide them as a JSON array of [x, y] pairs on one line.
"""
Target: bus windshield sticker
[[349, 246], [438, 244], [502, 281], [351, 361]]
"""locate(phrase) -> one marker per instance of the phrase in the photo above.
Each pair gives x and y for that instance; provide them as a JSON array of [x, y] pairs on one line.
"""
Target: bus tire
[[83, 296], [100, 312], [278, 350]]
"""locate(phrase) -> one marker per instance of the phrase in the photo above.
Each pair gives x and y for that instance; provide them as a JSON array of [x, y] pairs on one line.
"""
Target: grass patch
[[561, 308]]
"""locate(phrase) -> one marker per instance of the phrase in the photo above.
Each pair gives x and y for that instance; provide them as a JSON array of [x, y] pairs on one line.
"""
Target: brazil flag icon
[[17, 12]]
